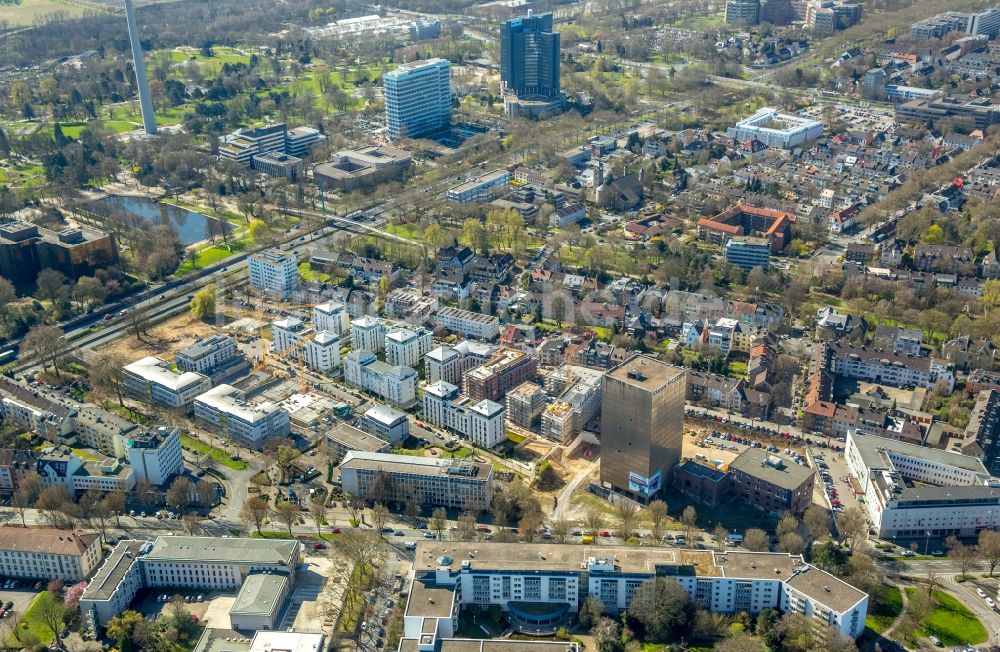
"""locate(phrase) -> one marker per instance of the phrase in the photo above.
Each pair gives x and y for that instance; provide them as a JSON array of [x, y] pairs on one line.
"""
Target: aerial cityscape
[[499, 325]]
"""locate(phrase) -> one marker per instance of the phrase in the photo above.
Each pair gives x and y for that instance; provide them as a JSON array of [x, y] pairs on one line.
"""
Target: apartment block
[[772, 483], [215, 356], [274, 272], [368, 334], [449, 363], [406, 347], [396, 385], [332, 316], [482, 422], [481, 189], [151, 379], [250, 423], [507, 369], [470, 324], [525, 404]]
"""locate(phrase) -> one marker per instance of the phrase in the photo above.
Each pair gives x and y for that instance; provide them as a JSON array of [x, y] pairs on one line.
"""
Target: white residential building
[[34, 410], [450, 576], [48, 553], [406, 347], [274, 272], [913, 491], [226, 409], [386, 423], [481, 422], [468, 323], [332, 316], [776, 129], [151, 379], [59, 465], [111, 590], [448, 363], [207, 354], [394, 384], [368, 334], [320, 351], [155, 454]]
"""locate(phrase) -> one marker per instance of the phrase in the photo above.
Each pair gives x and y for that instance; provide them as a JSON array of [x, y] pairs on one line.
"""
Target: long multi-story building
[[538, 585], [481, 189], [151, 379], [361, 168], [207, 563], [986, 23], [642, 415], [468, 323], [274, 272], [776, 129], [34, 410], [877, 366], [982, 434], [482, 422], [406, 347], [105, 431], [394, 384], [226, 409], [418, 99], [453, 484], [913, 491], [48, 553], [345, 437], [748, 252], [449, 363], [507, 369], [742, 12]]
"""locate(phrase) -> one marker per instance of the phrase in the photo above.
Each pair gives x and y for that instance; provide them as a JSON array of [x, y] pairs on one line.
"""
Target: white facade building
[[406, 347], [155, 454], [207, 354], [954, 494], [776, 129], [448, 363], [320, 351], [274, 272], [225, 408], [114, 586], [48, 553], [396, 385], [507, 575], [468, 323], [152, 380], [368, 334], [332, 316], [481, 422]]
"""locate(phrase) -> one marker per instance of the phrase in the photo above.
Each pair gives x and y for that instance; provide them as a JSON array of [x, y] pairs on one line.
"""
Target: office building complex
[[481, 189], [278, 164], [449, 363], [418, 99], [912, 491], [26, 249], [776, 129], [984, 111], [507, 369], [226, 409], [274, 272], [482, 422], [742, 12], [406, 347], [151, 379], [985, 23], [272, 149], [538, 585], [642, 415], [748, 252], [345, 437], [155, 455], [453, 484], [529, 66], [394, 384], [187, 562], [48, 553], [354, 169], [771, 483]]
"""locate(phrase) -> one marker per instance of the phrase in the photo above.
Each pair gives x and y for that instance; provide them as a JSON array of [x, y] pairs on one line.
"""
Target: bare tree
[[756, 540], [27, 491], [853, 526], [817, 521], [628, 512], [466, 527], [355, 508], [254, 512], [107, 371], [964, 556], [989, 548], [439, 521], [657, 511], [380, 516], [45, 343], [721, 535], [594, 521], [317, 511], [689, 518], [286, 513], [560, 529]]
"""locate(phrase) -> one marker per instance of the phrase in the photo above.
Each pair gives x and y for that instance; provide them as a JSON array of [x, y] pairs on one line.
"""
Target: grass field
[[951, 622], [885, 611], [24, 14], [212, 254], [33, 618], [217, 454]]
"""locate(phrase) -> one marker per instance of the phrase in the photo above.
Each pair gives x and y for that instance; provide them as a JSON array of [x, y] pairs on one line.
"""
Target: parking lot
[[20, 597]]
